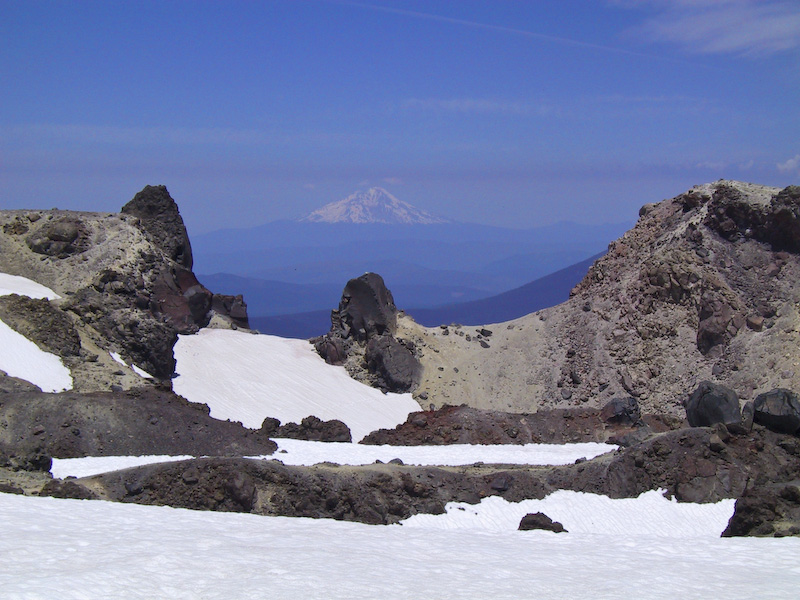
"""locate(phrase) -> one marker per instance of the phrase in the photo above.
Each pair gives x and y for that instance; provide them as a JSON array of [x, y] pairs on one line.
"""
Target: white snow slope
[[247, 377], [20, 357], [74, 549]]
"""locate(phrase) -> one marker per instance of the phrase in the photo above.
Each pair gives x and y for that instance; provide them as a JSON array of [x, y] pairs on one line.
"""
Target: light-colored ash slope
[[704, 287]]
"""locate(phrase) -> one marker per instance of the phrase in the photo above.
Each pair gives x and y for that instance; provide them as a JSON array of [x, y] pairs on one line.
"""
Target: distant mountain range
[[289, 268]]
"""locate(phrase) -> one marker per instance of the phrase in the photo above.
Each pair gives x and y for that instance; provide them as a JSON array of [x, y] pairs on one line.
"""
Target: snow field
[[75, 549], [247, 377], [20, 357]]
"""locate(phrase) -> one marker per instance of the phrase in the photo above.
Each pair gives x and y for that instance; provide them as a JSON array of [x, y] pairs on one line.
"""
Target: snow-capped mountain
[[376, 205]]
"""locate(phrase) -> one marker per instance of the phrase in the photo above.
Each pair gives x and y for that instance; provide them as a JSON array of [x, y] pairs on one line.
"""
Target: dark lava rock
[[364, 325], [67, 489], [782, 227], [766, 510], [21, 458], [778, 410], [719, 323], [393, 362], [140, 421], [42, 323], [533, 521], [465, 425], [366, 309], [621, 410], [7, 488], [160, 219], [310, 428], [712, 403], [14, 385], [60, 239]]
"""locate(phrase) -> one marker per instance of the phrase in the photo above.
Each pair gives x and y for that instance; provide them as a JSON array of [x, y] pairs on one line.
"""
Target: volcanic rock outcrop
[[362, 337], [703, 288], [126, 287]]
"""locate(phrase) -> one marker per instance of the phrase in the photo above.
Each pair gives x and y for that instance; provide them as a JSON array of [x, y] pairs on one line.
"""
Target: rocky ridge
[[704, 287], [125, 282]]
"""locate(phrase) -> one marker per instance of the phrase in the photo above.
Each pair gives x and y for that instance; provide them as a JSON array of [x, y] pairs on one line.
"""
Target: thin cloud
[[554, 39], [477, 105], [138, 135], [791, 166], [743, 27], [392, 181]]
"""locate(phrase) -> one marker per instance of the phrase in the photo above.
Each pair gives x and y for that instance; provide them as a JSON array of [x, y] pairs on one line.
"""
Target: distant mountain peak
[[376, 205]]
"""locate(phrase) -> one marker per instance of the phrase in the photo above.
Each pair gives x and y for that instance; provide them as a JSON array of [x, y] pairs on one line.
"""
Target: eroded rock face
[[126, 286], [362, 337], [703, 288]]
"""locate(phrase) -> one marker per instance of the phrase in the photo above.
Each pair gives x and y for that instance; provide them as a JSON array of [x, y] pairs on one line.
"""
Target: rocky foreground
[[680, 346]]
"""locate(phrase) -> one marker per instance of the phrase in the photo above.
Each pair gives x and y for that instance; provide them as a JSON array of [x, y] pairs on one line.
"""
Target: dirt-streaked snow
[[300, 452], [247, 377], [20, 357], [74, 549]]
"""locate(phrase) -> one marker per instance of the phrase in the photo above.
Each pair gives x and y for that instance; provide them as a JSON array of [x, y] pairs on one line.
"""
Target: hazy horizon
[[502, 113]]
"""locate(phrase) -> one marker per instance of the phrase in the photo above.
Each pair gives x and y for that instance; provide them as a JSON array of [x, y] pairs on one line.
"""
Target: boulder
[[366, 309], [541, 521], [60, 239], [712, 403], [623, 411], [778, 410]]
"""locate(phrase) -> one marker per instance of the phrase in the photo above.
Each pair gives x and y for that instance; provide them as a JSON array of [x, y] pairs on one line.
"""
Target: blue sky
[[501, 112]]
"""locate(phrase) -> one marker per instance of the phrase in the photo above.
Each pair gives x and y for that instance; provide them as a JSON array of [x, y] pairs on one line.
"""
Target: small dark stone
[[501, 482], [622, 411], [540, 521]]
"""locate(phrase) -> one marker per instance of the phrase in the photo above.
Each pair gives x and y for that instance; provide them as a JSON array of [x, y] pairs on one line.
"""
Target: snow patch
[[247, 377], [301, 452], [94, 465], [20, 357], [140, 372], [649, 514], [14, 284]]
